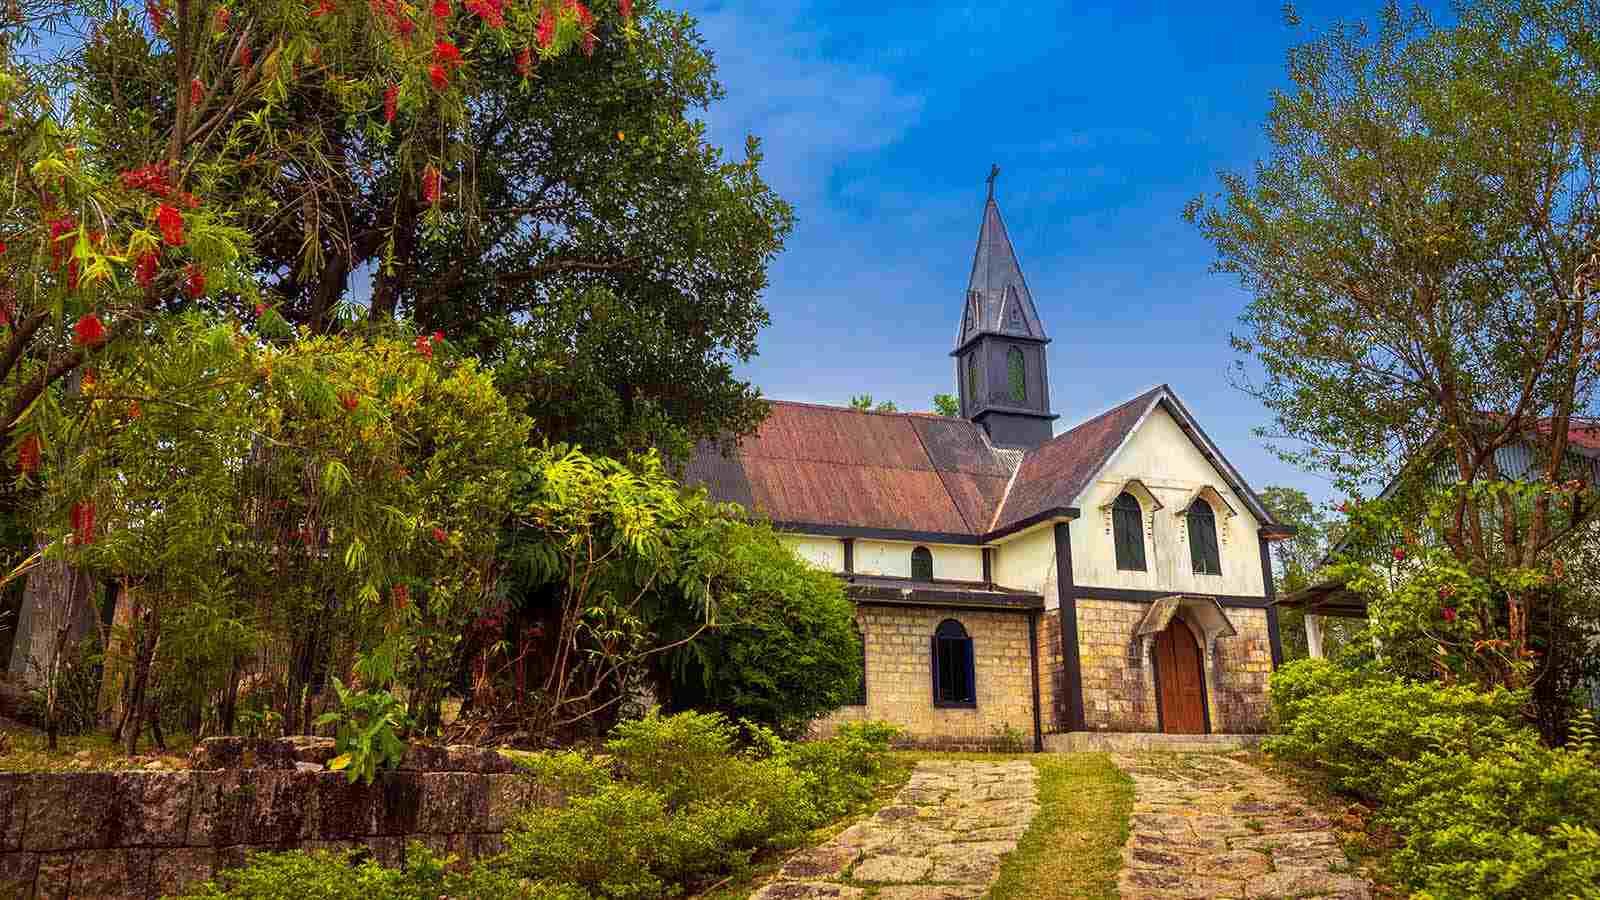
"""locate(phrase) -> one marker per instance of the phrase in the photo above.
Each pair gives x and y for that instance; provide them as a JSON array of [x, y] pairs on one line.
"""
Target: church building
[[1015, 585]]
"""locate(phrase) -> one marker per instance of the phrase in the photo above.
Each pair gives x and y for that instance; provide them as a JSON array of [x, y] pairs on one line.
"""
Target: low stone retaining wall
[[1133, 741], [145, 834]]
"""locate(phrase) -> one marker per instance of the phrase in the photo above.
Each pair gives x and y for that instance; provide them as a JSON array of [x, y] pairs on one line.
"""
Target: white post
[[1314, 635]]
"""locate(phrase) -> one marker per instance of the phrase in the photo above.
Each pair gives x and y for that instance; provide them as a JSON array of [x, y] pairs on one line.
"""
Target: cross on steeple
[[994, 172]]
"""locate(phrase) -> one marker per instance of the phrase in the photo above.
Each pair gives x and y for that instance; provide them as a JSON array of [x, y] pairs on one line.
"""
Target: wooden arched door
[[1180, 680]]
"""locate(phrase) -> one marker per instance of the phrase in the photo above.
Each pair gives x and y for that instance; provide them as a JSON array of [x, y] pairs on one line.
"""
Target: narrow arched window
[[922, 564], [1127, 531], [1017, 375], [972, 380], [859, 697], [1203, 550], [954, 682]]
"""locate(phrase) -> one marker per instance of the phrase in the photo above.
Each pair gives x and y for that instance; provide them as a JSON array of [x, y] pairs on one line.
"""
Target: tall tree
[[1421, 247]]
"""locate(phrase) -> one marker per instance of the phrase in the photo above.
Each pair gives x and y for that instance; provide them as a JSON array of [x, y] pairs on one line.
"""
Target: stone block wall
[[900, 678], [1243, 667], [1119, 689], [146, 834], [1052, 674]]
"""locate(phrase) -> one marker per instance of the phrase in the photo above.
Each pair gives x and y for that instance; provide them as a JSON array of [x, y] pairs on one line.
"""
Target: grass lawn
[[1074, 846], [23, 750]]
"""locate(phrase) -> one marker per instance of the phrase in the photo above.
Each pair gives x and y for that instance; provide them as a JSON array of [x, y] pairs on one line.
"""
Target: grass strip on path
[[1074, 846]]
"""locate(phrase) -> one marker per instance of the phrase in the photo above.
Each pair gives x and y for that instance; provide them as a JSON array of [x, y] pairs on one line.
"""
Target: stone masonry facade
[[1119, 688], [147, 834], [900, 678]]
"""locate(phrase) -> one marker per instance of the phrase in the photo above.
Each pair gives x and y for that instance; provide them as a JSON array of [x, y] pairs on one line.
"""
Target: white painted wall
[[1162, 456], [955, 562], [826, 553], [1027, 562]]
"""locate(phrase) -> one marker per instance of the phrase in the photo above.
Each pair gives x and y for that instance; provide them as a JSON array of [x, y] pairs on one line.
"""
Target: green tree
[[864, 403], [947, 405], [1421, 248], [1295, 562]]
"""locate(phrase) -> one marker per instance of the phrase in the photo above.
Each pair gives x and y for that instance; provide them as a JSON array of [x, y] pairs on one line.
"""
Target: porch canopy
[[1205, 612], [1327, 598]]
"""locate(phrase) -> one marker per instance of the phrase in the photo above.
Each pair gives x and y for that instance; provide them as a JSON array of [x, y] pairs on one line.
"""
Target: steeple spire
[[1000, 342]]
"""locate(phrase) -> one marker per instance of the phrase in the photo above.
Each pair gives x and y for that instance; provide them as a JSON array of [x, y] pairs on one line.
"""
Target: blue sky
[[879, 122]]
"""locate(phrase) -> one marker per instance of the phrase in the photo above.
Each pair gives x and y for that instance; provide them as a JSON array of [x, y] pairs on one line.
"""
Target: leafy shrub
[[321, 875], [1519, 821], [1365, 735], [368, 737], [842, 771], [680, 755], [1302, 683]]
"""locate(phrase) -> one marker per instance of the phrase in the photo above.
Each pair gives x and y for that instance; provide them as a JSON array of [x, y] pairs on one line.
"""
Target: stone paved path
[[1213, 826], [941, 839]]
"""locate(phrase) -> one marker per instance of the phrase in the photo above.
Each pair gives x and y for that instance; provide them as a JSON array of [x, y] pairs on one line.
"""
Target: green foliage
[[947, 405], [841, 772], [323, 875], [784, 649], [864, 403], [367, 737], [1365, 730]]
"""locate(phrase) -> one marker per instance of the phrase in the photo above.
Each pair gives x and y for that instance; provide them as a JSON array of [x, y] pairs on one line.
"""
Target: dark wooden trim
[[1273, 637], [979, 335], [1033, 662], [926, 537], [849, 555], [988, 561], [922, 599], [1277, 532], [1132, 595], [1071, 664]]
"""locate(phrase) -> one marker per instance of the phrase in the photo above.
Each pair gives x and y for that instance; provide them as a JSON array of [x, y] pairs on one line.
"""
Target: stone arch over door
[[1203, 622], [1180, 679]]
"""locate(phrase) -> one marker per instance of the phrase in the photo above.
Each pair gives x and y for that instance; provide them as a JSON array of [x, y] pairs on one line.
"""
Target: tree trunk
[[56, 598]]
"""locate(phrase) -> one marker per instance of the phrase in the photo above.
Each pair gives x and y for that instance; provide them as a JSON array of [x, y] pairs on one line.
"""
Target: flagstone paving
[[941, 839], [1206, 825]]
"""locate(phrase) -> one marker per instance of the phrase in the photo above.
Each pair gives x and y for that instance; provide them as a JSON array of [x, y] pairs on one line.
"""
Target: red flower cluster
[[134, 411], [1449, 613], [197, 92], [153, 180], [439, 535], [438, 337], [1399, 553], [220, 21], [197, 281], [441, 9], [586, 22], [245, 56], [157, 11], [60, 231], [349, 400], [401, 595], [430, 184], [446, 58], [524, 63], [144, 271], [323, 8], [89, 331], [261, 310], [7, 307], [82, 516], [391, 101], [170, 221], [547, 27], [423, 347], [626, 6], [28, 454], [492, 12], [439, 77], [90, 376]]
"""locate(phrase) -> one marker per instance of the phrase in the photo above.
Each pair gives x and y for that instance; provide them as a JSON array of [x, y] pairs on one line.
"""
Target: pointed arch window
[[922, 564], [1203, 549], [1017, 376], [972, 380], [954, 677], [1127, 531]]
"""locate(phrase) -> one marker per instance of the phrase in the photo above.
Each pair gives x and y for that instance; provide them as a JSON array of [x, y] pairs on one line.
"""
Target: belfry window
[[1203, 550], [1016, 376], [953, 675], [971, 366], [922, 564], [1127, 531]]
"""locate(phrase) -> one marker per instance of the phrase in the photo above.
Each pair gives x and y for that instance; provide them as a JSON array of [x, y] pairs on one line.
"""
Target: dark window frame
[[1205, 550], [1016, 375], [925, 563], [954, 669], [1127, 533]]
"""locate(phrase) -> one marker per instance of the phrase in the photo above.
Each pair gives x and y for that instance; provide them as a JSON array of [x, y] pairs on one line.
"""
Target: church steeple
[[1000, 342]]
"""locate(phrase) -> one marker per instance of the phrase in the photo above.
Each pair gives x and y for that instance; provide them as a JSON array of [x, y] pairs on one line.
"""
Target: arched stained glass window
[[954, 680], [922, 564], [1127, 530], [1017, 375], [1203, 550]]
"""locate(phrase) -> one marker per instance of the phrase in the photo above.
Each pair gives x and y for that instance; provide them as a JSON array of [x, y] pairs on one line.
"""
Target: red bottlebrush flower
[[90, 376], [170, 222], [1399, 553], [261, 310], [586, 22], [1449, 613], [2, 246], [441, 9], [72, 274], [423, 347], [391, 102], [188, 200], [220, 21], [197, 282], [401, 595], [439, 535], [349, 400], [492, 12], [323, 7], [134, 411], [60, 231], [439, 77], [89, 331], [446, 53], [28, 454], [438, 337], [405, 27], [430, 184], [547, 27], [197, 92], [525, 62], [626, 8], [245, 56], [157, 12], [6, 310], [83, 521]]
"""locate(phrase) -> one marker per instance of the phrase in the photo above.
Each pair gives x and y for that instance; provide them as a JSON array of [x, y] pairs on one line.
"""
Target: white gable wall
[[1161, 456], [950, 561]]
